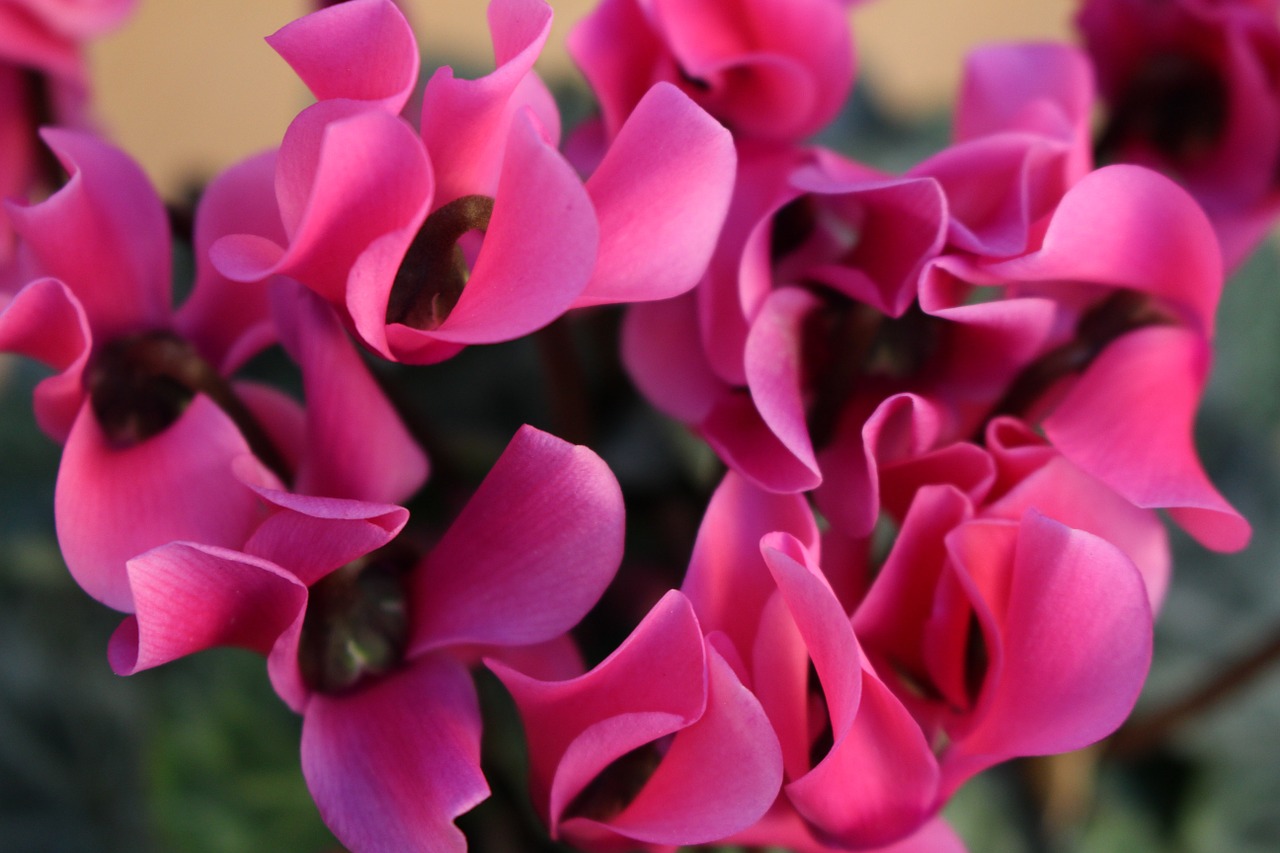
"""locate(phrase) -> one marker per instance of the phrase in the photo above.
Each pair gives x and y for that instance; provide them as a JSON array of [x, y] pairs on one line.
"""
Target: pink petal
[[661, 194], [104, 234], [346, 174], [44, 320], [616, 48], [1075, 632], [311, 537], [740, 436], [362, 49], [112, 504], [718, 777], [663, 355], [357, 446], [466, 123], [1128, 421], [230, 321], [391, 764], [529, 555], [727, 581], [1125, 226], [192, 597], [576, 728], [538, 252]]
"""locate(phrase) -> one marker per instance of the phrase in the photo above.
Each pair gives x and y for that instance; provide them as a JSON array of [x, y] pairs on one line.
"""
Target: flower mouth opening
[[434, 271], [140, 385], [357, 624]]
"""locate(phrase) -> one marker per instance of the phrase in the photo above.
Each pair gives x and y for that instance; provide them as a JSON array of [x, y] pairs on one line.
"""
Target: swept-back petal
[[44, 321], [362, 49], [112, 504], [104, 234], [661, 194], [391, 764], [190, 597], [529, 555]]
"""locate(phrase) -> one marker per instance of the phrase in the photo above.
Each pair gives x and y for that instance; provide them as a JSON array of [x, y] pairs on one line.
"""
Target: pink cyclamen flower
[[474, 228], [154, 431], [1192, 88], [373, 650], [767, 69]]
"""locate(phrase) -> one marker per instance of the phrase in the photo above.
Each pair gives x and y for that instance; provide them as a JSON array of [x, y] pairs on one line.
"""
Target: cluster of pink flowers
[[951, 403]]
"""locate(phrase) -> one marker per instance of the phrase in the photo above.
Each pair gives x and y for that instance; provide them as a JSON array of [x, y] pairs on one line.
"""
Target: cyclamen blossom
[[475, 229], [771, 70], [160, 445], [374, 653], [1191, 89]]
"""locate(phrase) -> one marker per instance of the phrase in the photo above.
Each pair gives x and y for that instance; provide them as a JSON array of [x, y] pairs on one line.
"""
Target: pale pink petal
[[530, 554], [45, 321], [191, 597], [661, 194], [1128, 421], [391, 764], [104, 234], [1075, 633], [357, 446], [112, 504], [362, 49]]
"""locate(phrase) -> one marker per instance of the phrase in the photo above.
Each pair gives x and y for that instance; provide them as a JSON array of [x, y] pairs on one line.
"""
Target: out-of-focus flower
[[1193, 90]]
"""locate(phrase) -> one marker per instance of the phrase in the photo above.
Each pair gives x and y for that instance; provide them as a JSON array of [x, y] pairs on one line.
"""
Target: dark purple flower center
[[357, 623], [434, 271], [1175, 103], [141, 384]]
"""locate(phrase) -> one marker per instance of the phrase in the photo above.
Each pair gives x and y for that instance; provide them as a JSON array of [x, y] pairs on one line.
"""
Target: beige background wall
[[188, 86]]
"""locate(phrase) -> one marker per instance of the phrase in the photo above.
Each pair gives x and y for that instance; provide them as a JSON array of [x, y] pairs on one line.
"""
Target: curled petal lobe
[[663, 355], [392, 764], [44, 321], [661, 194], [529, 555], [104, 234], [112, 504], [362, 49], [191, 597]]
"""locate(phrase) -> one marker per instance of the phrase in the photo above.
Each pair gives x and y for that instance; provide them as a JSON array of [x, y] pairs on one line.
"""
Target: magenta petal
[[663, 354], [391, 764], [775, 370], [719, 776], [361, 49], [357, 446], [1128, 421], [112, 504], [191, 597], [740, 436], [1075, 633], [231, 321], [879, 780], [313, 536], [538, 253], [661, 194], [728, 581], [45, 321], [577, 727], [529, 555], [1125, 226], [465, 123], [104, 234]]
